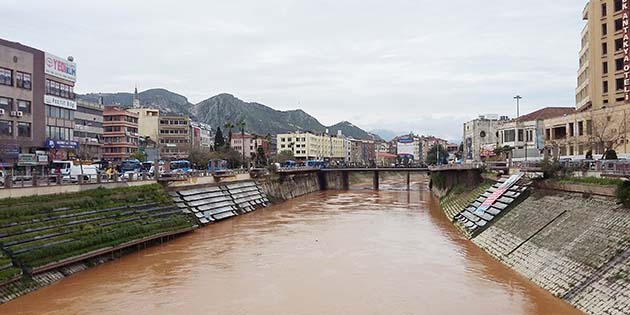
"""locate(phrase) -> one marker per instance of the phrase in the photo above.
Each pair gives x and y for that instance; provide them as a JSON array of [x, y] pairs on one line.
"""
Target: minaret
[[136, 100]]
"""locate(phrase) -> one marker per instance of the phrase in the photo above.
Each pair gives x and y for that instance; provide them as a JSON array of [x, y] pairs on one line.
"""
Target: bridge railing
[[464, 166]]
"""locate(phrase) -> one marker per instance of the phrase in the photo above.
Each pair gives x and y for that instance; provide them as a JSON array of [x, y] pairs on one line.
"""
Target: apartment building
[[120, 134], [148, 122], [310, 146], [174, 137], [88, 130], [362, 152]]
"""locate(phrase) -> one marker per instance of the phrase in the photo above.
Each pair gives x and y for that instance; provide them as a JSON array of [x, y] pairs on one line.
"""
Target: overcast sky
[[403, 65]]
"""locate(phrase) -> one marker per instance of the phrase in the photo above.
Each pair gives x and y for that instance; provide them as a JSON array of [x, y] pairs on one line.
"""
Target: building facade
[[310, 146], [120, 134], [148, 122], [362, 152], [88, 130], [37, 105], [174, 137], [481, 137]]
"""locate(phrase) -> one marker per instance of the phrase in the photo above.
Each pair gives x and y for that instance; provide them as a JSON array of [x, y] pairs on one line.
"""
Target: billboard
[[60, 102], [60, 67], [406, 146]]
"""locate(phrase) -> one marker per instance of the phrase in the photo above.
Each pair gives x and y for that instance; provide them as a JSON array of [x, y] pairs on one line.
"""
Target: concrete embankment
[[46, 238], [575, 244]]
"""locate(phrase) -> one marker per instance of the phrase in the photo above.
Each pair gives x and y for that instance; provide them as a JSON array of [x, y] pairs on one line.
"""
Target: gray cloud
[[405, 65]]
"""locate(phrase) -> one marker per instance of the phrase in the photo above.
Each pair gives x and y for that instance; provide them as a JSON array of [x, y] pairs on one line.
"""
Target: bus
[[127, 166], [316, 163], [180, 166]]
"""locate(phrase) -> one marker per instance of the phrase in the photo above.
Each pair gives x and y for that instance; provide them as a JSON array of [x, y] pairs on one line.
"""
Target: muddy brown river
[[356, 252]]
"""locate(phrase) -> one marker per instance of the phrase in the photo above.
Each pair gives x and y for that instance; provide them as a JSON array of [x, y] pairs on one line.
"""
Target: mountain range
[[223, 108]]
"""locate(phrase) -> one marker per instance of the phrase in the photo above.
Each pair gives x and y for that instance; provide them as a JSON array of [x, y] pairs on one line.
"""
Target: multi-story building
[[174, 137], [88, 130], [59, 98], [250, 144], [120, 136], [602, 96], [525, 134], [36, 106], [310, 146], [362, 152], [201, 136], [148, 122], [480, 137]]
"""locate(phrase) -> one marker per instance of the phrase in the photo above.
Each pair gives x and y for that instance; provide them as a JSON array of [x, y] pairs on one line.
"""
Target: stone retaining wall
[[577, 248], [290, 186]]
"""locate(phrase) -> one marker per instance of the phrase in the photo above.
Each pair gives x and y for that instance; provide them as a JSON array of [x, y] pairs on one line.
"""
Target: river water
[[355, 252]]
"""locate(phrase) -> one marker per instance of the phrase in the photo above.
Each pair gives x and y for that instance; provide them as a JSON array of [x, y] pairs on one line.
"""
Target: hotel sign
[[60, 67], [60, 102], [625, 21]]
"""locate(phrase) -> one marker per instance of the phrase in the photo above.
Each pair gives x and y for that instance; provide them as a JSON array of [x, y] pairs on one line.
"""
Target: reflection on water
[[356, 252]]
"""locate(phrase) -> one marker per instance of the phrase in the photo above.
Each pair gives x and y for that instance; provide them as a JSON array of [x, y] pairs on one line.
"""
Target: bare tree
[[606, 130]]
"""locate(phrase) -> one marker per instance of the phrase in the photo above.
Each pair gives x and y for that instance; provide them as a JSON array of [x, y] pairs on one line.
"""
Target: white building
[[481, 137]]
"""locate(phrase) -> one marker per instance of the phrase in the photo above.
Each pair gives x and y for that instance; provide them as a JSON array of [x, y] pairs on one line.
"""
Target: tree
[[605, 131], [284, 156], [228, 125], [199, 157], [241, 125], [219, 140], [610, 154], [432, 155], [260, 156], [137, 156]]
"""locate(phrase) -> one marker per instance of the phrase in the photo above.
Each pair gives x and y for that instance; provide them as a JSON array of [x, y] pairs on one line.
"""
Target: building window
[[605, 67], [59, 89], [6, 104], [6, 77], [604, 10], [6, 128], [23, 80], [24, 129], [618, 5], [619, 64], [604, 30], [24, 106], [605, 87], [618, 25], [604, 49], [619, 84], [618, 44]]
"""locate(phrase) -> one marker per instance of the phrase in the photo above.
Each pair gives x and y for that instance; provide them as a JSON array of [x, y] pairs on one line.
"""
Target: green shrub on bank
[[591, 180], [623, 193], [438, 180]]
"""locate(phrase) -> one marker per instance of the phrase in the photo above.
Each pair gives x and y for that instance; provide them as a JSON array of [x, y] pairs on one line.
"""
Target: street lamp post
[[518, 99]]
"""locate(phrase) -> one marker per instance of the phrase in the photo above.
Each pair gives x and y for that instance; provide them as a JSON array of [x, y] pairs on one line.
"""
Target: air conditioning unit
[[20, 114], [1, 111], [13, 113]]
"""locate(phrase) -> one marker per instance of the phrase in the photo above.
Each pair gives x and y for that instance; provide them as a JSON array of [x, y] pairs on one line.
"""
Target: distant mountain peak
[[225, 107]]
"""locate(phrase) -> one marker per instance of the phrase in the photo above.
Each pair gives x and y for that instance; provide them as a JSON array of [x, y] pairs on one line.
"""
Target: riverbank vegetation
[[39, 230]]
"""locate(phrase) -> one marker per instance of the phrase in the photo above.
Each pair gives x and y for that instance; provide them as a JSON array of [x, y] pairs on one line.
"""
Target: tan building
[[148, 122], [603, 87], [88, 130], [309, 146], [174, 137], [120, 136]]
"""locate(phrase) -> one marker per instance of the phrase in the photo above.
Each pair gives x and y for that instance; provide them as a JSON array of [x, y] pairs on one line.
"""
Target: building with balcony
[[174, 136], [88, 130], [120, 134]]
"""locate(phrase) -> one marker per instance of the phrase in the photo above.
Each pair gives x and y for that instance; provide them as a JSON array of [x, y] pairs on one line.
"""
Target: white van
[[71, 172]]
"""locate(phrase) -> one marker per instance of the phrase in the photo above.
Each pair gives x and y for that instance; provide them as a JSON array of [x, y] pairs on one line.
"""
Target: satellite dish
[[70, 58]]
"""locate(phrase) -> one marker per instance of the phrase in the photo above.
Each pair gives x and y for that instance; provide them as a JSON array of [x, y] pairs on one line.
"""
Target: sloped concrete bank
[[574, 244]]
